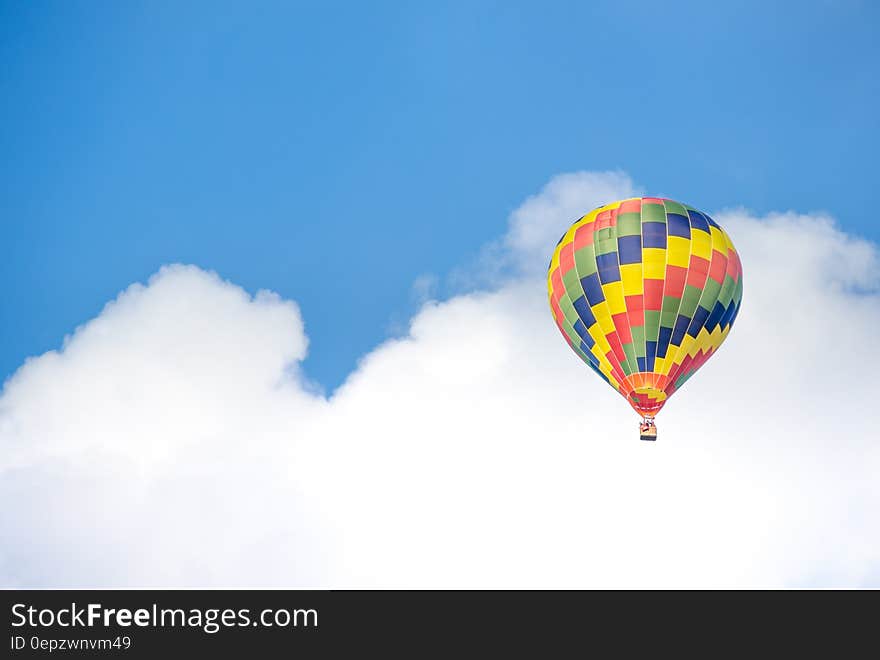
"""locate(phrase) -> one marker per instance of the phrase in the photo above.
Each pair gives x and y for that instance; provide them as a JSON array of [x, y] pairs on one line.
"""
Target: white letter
[[19, 615]]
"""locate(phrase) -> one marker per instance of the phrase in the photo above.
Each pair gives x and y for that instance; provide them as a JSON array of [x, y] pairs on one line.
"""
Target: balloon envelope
[[645, 290]]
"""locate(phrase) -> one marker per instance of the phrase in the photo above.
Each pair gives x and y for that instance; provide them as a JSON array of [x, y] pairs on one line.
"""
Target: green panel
[[625, 368], [585, 261], [727, 290], [652, 325], [572, 284], [675, 207], [630, 351], [606, 246], [574, 336], [670, 309], [577, 349], [710, 293], [629, 224], [568, 309], [653, 213], [638, 333], [689, 300]]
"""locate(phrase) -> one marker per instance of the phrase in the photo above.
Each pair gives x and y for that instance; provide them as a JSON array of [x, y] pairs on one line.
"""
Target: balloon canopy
[[645, 290]]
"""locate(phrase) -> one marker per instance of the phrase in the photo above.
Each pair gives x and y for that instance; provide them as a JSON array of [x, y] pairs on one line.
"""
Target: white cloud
[[542, 219], [173, 442], [537, 224]]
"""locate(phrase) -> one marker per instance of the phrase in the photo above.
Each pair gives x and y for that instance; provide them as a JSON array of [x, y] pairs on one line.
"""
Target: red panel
[[688, 364], [718, 266], [738, 266], [682, 368], [616, 346], [621, 323], [565, 336], [699, 264], [615, 366], [631, 206], [698, 271], [731, 264], [636, 318], [635, 310], [652, 200], [634, 303], [653, 295], [604, 220], [557, 312], [566, 258], [558, 287], [583, 236], [675, 276]]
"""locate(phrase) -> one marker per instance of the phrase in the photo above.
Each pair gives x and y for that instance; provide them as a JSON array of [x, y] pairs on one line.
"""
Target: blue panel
[[712, 222], [653, 235], [681, 326], [584, 311], [735, 313], [629, 248], [587, 341], [663, 341], [609, 271], [698, 221], [727, 317], [593, 289], [715, 316], [642, 363], [678, 225], [700, 316], [586, 349], [651, 351]]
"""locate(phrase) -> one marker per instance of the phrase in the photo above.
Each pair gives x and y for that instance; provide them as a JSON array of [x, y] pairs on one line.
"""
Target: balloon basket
[[648, 430]]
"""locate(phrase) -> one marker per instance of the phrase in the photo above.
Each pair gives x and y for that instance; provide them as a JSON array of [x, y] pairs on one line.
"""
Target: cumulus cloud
[[536, 225], [172, 440], [542, 218]]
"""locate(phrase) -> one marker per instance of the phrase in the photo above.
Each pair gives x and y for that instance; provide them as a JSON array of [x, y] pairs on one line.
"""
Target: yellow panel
[[718, 242], [614, 297], [607, 325], [631, 274], [701, 244], [678, 252], [682, 350], [601, 347], [654, 263], [660, 364], [601, 311]]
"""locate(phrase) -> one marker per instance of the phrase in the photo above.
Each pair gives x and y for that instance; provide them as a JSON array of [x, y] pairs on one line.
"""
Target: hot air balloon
[[645, 290]]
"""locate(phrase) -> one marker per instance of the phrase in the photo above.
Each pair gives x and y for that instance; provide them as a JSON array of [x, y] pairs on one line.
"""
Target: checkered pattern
[[645, 290]]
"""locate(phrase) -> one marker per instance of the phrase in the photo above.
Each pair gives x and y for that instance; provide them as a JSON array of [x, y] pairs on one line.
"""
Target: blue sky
[[334, 152]]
